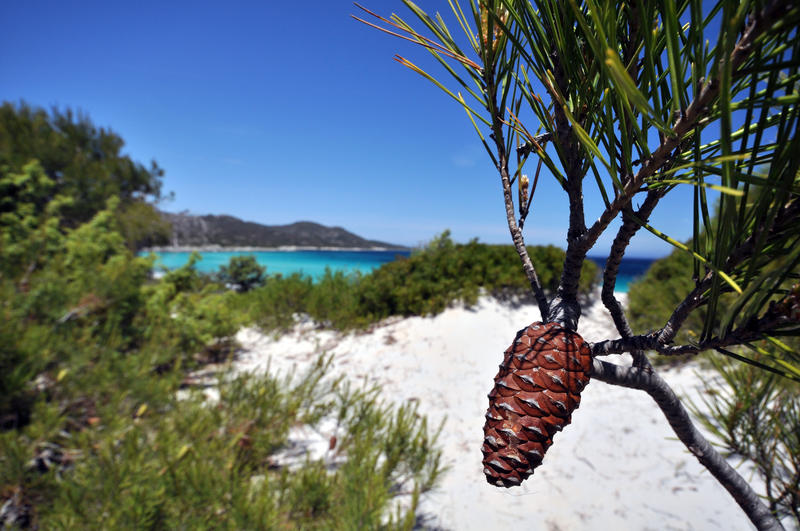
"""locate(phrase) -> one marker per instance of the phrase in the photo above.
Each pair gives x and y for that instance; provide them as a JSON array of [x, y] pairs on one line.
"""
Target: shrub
[[152, 460], [92, 357], [653, 297], [243, 272], [443, 272], [425, 283], [755, 416]]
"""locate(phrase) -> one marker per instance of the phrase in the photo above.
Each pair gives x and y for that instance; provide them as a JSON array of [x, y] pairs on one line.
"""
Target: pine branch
[[626, 232], [754, 330], [508, 198], [686, 122], [565, 308], [698, 296], [649, 381]]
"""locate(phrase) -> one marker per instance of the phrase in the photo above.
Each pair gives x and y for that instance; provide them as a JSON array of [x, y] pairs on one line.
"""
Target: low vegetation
[[102, 423], [653, 297], [93, 428], [425, 283]]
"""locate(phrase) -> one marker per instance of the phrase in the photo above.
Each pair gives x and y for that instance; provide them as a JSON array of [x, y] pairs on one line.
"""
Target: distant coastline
[[248, 249], [223, 233]]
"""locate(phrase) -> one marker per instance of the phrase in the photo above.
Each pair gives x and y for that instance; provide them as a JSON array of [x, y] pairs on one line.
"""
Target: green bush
[[243, 272], [333, 301], [425, 283], [273, 306], [92, 433], [653, 297]]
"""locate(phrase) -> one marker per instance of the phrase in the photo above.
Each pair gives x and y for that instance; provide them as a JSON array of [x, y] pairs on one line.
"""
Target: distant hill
[[227, 231]]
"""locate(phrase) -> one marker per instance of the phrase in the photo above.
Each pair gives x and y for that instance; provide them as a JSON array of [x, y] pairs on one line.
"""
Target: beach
[[617, 466]]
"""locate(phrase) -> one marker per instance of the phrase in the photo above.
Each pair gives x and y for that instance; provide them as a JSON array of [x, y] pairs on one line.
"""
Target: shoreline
[[249, 249]]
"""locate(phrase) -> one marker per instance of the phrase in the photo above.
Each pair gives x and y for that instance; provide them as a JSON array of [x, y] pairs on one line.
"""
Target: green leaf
[[724, 189], [672, 31], [627, 86]]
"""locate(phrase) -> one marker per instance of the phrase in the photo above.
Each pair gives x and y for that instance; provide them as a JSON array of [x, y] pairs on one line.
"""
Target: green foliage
[[81, 285], [442, 272], [334, 300], [653, 297], [243, 272], [84, 163], [28, 222], [142, 225], [755, 416], [156, 460], [17, 368], [95, 429], [424, 284], [274, 306]]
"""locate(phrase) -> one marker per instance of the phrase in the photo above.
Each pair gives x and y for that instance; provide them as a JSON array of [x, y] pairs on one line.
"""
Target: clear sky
[[277, 112]]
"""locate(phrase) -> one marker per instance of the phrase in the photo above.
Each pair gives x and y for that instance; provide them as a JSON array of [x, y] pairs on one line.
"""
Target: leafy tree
[[86, 164], [643, 97], [243, 272]]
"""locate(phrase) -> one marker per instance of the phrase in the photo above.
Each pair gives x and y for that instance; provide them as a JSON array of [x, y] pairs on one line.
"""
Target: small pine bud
[[523, 193]]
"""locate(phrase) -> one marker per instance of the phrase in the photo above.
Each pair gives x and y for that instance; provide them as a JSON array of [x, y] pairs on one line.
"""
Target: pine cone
[[535, 392]]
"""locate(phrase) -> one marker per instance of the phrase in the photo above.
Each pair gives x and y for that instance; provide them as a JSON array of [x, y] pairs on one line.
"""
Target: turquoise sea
[[309, 263], [313, 263], [629, 270]]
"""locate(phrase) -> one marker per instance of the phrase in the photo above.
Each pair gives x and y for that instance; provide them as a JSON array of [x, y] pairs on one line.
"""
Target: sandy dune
[[617, 466]]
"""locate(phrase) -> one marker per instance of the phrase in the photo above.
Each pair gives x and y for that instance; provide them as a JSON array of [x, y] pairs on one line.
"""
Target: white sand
[[617, 466]]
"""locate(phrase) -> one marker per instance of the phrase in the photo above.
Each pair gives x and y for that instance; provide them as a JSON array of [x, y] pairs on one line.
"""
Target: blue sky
[[277, 113]]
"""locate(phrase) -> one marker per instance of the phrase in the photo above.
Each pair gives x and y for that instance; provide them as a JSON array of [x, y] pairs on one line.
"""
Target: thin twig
[[754, 330], [505, 178], [535, 143]]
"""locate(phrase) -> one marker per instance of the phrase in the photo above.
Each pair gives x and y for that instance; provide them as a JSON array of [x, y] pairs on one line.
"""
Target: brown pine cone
[[535, 392]]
